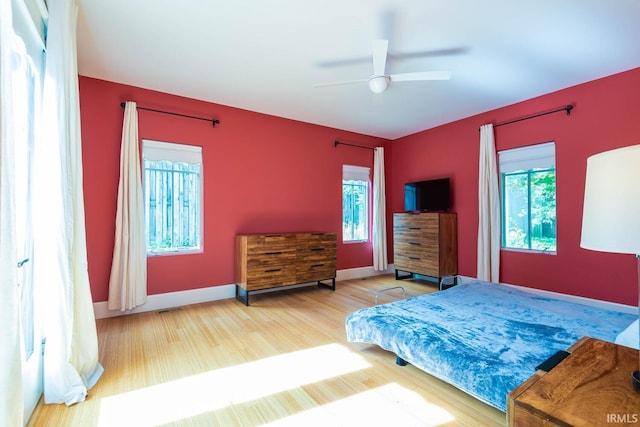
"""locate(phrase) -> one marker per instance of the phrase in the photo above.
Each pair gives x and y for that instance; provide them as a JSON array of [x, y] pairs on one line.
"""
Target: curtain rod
[[336, 143], [214, 122], [566, 108]]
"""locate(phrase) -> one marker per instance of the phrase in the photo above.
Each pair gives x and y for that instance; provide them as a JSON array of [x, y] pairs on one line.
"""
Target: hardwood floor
[[283, 361]]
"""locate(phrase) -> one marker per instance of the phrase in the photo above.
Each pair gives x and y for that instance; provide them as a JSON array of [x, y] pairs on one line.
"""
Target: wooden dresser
[[426, 244], [590, 387], [265, 261]]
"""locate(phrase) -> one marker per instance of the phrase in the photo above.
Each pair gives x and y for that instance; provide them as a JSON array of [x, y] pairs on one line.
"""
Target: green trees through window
[[529, 209], [528, 185], [355, 210]]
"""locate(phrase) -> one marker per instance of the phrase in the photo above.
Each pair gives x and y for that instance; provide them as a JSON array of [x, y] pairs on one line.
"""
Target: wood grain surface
[[283, 361]]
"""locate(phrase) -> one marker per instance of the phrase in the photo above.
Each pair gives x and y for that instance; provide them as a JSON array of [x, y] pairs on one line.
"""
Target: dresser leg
[[407, 275], [332, 286], [242, 295]]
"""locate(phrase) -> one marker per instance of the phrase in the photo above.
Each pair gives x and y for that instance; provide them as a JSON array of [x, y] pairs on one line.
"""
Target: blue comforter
[[483, 338]]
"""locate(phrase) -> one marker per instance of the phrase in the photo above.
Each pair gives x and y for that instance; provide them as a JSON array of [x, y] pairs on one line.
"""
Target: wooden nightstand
[[591, 387]]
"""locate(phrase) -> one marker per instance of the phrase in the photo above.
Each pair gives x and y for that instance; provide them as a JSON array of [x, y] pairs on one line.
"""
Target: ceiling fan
[[379, 81]]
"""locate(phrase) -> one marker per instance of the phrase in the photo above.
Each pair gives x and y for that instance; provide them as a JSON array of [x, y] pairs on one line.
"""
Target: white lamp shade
[[611, 213]]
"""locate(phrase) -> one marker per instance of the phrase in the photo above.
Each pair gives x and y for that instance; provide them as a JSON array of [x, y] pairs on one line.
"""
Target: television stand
[[425, 244], [442, 285]]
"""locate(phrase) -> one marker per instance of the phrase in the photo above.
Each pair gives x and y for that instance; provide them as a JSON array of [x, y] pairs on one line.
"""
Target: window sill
[[530, 251], [348, 242], [173, 253]]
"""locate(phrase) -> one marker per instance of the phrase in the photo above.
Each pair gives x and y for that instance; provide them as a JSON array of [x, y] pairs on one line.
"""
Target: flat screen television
[[429, 195]]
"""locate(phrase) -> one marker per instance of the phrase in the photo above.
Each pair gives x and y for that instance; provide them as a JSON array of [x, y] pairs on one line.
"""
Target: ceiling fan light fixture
[[378, 84]]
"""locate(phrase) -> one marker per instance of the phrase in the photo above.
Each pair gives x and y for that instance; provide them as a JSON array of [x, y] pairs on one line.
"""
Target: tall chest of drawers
[[265, 261], [426, 244]]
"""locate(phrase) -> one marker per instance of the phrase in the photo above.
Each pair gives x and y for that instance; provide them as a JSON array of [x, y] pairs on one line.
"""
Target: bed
[[482, 338]]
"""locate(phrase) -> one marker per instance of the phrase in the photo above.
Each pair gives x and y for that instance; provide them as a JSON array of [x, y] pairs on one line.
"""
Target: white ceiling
[[265, 55]]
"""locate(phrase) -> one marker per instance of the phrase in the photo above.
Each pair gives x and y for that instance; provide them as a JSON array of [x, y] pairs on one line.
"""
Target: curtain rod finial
[[123, 104], [215, 122], [569, 108]]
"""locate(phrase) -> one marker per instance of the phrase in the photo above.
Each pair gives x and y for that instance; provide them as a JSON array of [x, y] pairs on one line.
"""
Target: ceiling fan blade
[[421, 75], [346, 82], [379, 56], [344, 62], [399, 56], [391, 56]]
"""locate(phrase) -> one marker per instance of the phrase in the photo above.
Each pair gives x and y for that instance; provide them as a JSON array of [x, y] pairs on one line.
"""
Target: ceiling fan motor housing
[[378, 84]]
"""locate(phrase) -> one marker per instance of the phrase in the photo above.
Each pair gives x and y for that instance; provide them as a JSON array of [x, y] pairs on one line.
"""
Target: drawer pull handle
[[317, 249], [317, 265], [273, 270], [415, 243], [273, 235], [414, 228], [273, 253], [415, 258]]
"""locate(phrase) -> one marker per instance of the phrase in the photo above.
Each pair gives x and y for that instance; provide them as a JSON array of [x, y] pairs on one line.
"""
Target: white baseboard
[[630, 309], [360, 272], [169, 300], [213, 293]]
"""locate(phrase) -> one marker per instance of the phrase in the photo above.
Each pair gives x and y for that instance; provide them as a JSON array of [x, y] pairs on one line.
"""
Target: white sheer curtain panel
[[128, 281], [11, 405], [379, 212], [71, 354], [489, 209]]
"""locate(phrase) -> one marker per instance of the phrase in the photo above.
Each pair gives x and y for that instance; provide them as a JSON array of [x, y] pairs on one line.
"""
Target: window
[[355, 204], [172, 197], [26, 69], [528, 177]]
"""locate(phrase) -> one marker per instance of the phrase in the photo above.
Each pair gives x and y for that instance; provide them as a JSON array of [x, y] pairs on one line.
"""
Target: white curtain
[[11, 405], [379, 212], [71, 353], [489, 209], [128, 281]]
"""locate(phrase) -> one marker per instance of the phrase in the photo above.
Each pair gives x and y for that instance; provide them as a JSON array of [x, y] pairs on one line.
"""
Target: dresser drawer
[[413, 248], [318, 254], [270, 277], [425, 264], [314, 272], [271, 239], [273, 260], [316, 239], [270, 244], [415, 220], [416, 228], [406, 234]]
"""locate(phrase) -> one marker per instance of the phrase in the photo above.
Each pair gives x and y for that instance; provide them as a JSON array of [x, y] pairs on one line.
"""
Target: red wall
[[606, 116], [261, 174], [269, 174]]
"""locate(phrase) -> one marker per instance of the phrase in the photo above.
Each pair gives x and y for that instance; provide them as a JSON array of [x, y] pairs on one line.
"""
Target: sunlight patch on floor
[[217, 389], [388, 405]]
